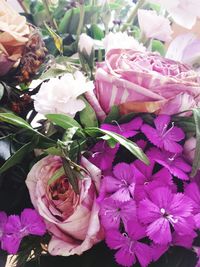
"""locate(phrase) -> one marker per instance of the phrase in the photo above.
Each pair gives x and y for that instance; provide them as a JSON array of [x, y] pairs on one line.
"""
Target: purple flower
[[127, 130], [163, 210], [122, 184], [112, 211], [163, 136], [173, 162], [128, 246], [192, 190], [147, 181], [17, 228], [103, 155], [3, 221]]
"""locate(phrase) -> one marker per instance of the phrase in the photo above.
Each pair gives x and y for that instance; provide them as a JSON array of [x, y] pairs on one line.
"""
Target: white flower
[[60, 96], [121, 41], [85, 44], [153, 25]]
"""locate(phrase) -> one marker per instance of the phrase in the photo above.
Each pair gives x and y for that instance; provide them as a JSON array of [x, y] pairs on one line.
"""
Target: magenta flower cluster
[[14, 228], [147, 209]]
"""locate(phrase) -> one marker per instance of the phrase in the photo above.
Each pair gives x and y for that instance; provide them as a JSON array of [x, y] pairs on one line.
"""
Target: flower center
[[169, 217]]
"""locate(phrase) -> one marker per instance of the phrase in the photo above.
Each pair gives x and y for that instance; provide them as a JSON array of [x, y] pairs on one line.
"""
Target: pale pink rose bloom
[[183, 12], [189, 149], [121, 40], [61, 95], [145, 82], [186, 49], [154, 25], [85, 44], [72, 219]]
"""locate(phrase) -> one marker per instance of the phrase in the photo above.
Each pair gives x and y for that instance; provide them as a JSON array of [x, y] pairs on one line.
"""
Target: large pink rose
[[72, 219], [144, 82]]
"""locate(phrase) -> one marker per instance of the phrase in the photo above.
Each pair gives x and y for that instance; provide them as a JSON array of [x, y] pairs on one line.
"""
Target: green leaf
[[158, 46], [63, 121], [1, 90], [15, 120], [60, 172], [57, 39], [18, 156], [196, 162], [88, 116], [53, 151], [71, 175], [96, 32], [129, 145], [113, 115]]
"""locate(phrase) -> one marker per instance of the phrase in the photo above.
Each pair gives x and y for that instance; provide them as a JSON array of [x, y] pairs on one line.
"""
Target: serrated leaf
[[196, 161], [88, 116], [129, 145]]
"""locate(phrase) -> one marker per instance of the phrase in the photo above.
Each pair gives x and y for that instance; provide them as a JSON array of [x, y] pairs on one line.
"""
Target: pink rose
[[189, 149], [72, 219], [145, 82]]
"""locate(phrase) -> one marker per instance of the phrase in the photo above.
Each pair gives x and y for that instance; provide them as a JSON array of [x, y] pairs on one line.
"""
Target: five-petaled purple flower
[[128, 245], [163, 210], [112, 212], [163, 136], [17, 227], [173, 162], [121, 185]]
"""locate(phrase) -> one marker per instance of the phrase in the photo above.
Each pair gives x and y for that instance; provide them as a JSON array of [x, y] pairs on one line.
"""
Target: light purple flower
[[163, 210], [128, 246], [164, 135], [3, 220], [147, 180], [173, 162], [17, 228], [127, 130], [103, 155], [112, 211], [122, 183]]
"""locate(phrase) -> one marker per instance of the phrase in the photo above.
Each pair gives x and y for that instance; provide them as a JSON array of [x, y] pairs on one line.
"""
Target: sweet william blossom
[[61, 95], [154, 26]]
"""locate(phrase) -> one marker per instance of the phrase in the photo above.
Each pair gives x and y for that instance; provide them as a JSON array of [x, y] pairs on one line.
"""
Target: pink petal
[[143, 253], [159, 231], [124, 257]]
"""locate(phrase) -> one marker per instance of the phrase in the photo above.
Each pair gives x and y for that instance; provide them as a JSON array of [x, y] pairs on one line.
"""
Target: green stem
[[81, 21], [132, 16], [52, 22]]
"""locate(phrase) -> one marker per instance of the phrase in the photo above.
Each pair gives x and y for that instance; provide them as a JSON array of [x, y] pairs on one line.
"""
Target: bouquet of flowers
[[100, 134]]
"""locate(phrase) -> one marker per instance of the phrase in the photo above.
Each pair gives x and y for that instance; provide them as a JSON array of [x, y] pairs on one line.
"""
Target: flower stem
[[81, 20], [51, 20], [132, 16]]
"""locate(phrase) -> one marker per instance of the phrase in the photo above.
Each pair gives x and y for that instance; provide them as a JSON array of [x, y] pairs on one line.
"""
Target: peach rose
[[71, 218]]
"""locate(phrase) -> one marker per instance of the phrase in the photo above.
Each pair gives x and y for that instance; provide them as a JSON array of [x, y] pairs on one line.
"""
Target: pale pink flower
[[189, 149], [85, 44], [61, 95], [186, 49], [122, 41], [154, 25], [183, 12], [145, 82], [71, 218]]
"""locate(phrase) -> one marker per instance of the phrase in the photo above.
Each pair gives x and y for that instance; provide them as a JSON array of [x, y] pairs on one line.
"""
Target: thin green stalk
[[81, 20], [132, 16], [51, 20]]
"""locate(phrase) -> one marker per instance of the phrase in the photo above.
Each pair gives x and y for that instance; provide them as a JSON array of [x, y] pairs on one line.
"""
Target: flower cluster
[[14, 228], [146, 209]]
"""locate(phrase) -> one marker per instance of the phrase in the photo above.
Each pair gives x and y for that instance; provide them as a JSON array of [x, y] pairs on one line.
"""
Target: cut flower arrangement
[[100, 134]]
